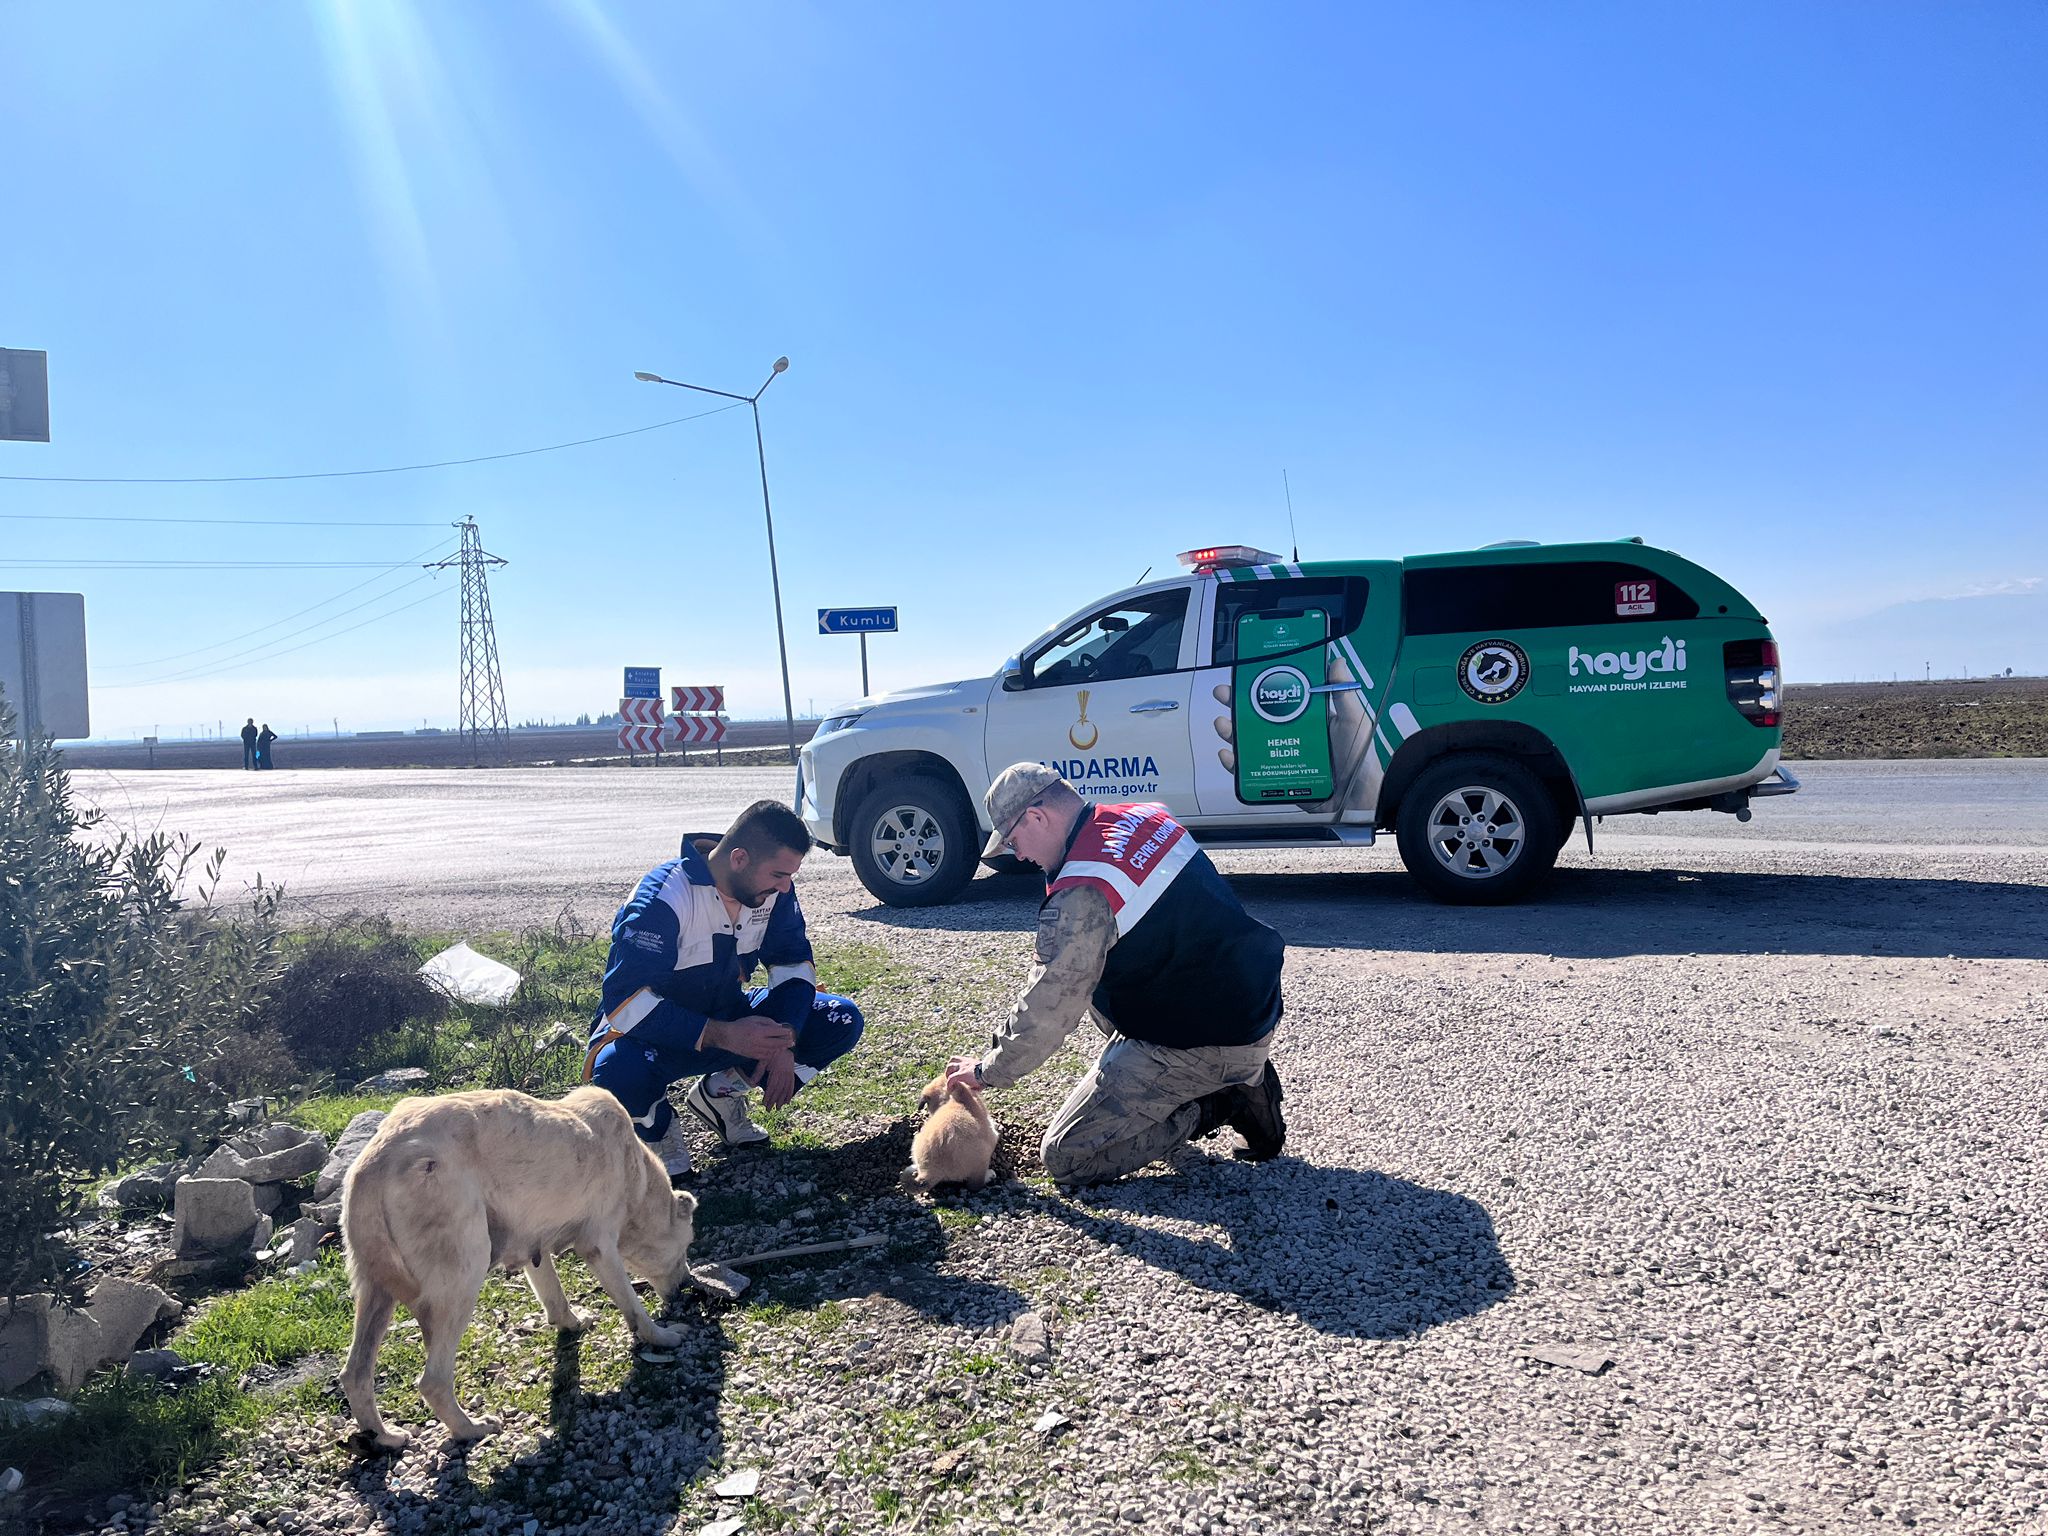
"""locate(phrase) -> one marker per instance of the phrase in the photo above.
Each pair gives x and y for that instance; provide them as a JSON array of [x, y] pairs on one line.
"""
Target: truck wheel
[[913, 842], [1478, 828]]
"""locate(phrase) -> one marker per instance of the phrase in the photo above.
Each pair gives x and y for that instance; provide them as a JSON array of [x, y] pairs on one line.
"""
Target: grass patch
[[330, 1113]]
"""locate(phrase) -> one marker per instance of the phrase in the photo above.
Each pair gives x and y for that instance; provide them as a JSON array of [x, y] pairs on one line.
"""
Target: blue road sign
[[856, 621], [643, 683]]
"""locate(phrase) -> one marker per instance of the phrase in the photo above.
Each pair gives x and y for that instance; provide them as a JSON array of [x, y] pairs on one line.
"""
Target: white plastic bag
[[468, 977]]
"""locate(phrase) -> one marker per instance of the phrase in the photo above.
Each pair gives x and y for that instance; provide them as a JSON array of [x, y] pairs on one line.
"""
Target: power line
[[201, 565], [240, 522], [172, 677], [377, 619], [157, 661], [344, 474]]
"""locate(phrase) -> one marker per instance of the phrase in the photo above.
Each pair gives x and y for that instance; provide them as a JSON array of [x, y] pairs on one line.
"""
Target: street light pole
[[768, 514]]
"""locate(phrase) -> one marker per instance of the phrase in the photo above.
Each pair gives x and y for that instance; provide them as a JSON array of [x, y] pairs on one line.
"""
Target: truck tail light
[[1754, 679]]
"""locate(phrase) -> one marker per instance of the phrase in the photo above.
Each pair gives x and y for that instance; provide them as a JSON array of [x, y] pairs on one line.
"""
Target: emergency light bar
[[1226, 554]]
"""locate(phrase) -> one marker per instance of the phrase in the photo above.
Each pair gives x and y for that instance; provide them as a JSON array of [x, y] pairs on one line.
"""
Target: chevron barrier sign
[[640, 711], [692, 731], [700, 700], [640, 738]]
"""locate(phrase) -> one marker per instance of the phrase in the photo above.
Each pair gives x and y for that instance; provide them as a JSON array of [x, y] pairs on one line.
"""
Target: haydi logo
[[1280, 694], [1669, 657]]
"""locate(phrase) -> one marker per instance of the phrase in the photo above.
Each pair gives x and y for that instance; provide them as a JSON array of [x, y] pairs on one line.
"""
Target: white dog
[[451, 1187]]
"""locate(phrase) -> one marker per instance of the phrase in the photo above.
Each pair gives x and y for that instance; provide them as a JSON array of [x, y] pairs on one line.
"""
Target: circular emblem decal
[[1280, 694], [1493, 671]]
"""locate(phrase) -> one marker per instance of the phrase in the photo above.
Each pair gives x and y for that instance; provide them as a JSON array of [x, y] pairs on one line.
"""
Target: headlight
[[834, 723]]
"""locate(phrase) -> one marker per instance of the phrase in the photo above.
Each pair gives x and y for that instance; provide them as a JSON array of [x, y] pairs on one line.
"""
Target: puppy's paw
[[658, 1337], [572, 1322], [476, 1429], [388, 1439]]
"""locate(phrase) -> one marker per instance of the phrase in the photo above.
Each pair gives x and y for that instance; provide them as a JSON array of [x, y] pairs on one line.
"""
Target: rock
[[1050, 1423], [1591, 1361], [730, 1527], [125, 1310], [740, 1485], [397, 1080], [268, 1197], [718, 1280], [146, 1187], [216, 1216], [354, 1137], [10, 1480], [41, 1334], [248, 1111], [306, 1234], [1027, 1339], [328, 1214], [270, 1154], [155, 1364]]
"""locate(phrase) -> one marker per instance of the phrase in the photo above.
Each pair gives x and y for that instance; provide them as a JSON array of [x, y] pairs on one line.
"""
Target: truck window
[[1342, 597], [1472, 599], [1136, 638]]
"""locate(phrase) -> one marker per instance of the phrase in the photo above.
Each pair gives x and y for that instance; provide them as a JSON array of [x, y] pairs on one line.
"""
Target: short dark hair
[[765, 827]]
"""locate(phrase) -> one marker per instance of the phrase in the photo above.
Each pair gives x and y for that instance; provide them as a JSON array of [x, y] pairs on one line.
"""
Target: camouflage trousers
[[1137, 1103]]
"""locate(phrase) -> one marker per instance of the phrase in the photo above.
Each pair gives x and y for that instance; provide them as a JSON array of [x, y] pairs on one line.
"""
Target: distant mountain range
[[1954, 636]]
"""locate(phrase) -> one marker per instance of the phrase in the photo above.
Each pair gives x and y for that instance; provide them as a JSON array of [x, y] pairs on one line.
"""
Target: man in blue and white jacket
[[676, 1000]]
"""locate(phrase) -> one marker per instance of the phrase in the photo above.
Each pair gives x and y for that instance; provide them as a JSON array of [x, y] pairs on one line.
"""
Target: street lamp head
[[781, 364], [648, 378]]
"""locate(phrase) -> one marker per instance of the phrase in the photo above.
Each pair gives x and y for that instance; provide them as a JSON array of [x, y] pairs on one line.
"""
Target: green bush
[[122, 994]]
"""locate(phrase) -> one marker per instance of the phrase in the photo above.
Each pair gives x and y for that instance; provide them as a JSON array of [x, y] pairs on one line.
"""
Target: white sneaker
[[720, 1102], [673, 1149]]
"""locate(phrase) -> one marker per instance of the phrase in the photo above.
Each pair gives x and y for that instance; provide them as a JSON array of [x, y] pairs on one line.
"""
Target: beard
[[747, 893]]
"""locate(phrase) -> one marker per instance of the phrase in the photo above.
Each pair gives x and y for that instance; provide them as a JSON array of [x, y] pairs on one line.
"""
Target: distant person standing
[[263, 747], [249, 758]]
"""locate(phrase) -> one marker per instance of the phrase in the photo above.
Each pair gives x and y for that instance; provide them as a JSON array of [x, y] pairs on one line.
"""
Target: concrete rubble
[[354, 1137], [126, 1310], [277, 1153], [217, 1218]]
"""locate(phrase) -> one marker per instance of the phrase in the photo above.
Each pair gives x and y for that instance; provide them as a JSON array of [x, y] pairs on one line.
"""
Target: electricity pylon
[[483, 721]]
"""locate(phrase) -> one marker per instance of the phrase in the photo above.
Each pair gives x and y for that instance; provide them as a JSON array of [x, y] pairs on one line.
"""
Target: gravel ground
[[1757, 1122]]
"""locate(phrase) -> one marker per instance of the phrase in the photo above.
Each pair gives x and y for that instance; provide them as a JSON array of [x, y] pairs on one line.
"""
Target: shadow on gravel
[[591, 1450], [1356, 1254], [1602, 914], [1597, 914]]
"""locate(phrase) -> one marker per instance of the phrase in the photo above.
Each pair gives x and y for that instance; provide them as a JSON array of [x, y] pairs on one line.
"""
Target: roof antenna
[[1290, 516], [1141, 576]]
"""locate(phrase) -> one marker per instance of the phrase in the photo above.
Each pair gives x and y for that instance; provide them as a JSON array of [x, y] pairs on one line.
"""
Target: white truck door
[[1106, 701]]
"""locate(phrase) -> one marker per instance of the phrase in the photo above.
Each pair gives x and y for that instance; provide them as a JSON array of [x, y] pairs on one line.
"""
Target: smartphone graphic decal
[[1280, 722]]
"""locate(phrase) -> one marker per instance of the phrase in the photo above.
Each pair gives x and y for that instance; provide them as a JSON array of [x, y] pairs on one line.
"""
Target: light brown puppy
[[453, 1186], [955, 1144]]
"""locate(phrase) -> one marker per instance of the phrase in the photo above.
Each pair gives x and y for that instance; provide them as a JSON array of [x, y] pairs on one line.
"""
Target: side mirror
[[1013, 675]]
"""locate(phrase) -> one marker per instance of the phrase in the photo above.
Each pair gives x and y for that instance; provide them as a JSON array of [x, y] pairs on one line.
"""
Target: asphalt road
[[465, 850]]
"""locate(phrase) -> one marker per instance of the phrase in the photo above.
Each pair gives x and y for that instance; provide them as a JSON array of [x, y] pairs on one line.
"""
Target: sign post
[[695, 721], [858, 621]]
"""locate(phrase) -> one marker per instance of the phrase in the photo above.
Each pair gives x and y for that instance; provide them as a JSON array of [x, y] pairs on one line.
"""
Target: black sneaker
[[1255, 1115]]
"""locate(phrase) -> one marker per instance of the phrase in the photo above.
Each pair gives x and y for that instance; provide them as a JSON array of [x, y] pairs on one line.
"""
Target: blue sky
[[1064, 289]]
